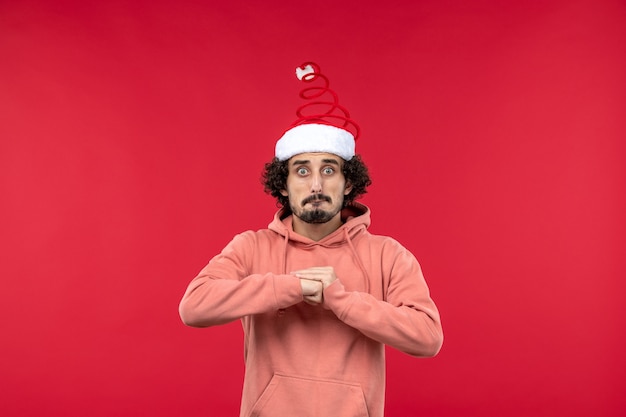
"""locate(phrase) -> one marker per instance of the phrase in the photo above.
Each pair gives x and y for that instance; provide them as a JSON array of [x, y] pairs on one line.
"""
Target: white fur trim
[[315, 138]]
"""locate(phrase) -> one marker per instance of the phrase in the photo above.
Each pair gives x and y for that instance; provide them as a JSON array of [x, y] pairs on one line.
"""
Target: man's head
[[305, 182], [316, 172]]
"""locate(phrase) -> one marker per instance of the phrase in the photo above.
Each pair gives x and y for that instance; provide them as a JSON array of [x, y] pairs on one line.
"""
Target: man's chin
[[316, 216]]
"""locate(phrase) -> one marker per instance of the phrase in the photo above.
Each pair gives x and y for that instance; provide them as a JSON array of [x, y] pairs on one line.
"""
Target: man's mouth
[[316, 199]]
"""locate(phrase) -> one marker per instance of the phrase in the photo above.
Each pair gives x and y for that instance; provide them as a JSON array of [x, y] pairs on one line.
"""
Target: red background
[[133, 134]]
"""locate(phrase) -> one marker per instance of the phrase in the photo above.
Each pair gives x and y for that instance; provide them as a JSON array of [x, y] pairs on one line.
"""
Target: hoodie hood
[[356, 218]]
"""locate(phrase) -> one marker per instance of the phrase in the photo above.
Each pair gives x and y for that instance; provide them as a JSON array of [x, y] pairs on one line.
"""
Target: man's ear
[[348, 188], [284, 193]]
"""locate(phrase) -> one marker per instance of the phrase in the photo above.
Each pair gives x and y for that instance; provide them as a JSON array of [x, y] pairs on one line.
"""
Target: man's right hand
[[312, 291]]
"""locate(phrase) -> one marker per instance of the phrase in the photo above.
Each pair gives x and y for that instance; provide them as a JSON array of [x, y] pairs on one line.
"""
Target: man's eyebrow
[[300, 162], [306, 161]]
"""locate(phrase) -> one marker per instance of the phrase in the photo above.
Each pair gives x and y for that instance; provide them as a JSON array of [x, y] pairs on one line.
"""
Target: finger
[[308, 274], [313, 269], [312, 300]]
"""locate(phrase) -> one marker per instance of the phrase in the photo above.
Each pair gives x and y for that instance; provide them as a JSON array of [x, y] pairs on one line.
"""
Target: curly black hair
[[274, 179]]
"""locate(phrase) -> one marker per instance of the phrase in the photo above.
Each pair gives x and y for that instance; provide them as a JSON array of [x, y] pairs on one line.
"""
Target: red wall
[[133, 134]]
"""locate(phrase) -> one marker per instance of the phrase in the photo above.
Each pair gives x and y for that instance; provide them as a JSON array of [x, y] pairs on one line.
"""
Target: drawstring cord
[[358, 260], [285, 243], [281, 311]]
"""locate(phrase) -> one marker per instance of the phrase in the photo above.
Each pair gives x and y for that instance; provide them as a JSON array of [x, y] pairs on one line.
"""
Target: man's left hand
[[324, 274]]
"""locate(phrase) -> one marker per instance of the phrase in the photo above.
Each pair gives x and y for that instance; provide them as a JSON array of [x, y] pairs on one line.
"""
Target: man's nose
[[316, 184]]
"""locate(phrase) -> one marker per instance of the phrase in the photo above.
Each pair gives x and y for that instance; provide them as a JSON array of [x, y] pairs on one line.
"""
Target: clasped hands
[[313, 281]]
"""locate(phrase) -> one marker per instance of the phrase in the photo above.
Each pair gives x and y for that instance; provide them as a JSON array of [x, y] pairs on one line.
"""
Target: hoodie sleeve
[[407, 319], [224, 290]]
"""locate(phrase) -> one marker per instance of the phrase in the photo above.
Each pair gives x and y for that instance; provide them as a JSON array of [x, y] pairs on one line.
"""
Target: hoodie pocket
[[310, 397]]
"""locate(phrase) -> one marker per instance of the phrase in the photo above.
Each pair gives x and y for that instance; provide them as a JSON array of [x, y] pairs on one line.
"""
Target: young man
[[318, 295]]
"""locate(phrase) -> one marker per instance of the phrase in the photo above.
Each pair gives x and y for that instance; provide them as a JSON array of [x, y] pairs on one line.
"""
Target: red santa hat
[[323, 125]]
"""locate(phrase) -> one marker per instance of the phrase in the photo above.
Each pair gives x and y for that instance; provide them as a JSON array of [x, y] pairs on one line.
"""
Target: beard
[[315, 215]]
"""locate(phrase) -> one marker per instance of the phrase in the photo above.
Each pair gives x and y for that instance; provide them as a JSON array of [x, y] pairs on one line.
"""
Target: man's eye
[[302, 171], [328, 171]]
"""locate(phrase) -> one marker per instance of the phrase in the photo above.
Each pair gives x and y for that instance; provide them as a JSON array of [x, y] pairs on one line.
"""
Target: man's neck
[[316, 231]]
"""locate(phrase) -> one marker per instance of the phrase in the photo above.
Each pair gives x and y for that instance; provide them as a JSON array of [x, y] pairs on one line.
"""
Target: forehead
[[315, 158]]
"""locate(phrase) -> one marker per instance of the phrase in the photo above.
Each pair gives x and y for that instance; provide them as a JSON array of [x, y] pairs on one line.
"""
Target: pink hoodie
[[328, 360]]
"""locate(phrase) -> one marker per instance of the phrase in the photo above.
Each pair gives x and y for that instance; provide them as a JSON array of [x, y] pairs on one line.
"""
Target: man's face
[[316, 186]]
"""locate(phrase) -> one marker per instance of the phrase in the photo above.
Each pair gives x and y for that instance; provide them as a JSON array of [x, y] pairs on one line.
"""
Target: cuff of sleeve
[[336, 298], [287, 291]]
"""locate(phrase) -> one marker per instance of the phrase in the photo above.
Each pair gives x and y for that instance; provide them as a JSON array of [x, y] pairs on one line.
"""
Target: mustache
[[316, 197]]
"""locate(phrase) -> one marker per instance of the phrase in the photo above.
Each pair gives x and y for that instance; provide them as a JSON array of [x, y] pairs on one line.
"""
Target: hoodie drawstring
[[285, 244], [358, 260]]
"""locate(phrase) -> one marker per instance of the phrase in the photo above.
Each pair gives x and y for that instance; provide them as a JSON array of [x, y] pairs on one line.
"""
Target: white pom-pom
[[303, 72]]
